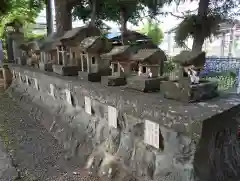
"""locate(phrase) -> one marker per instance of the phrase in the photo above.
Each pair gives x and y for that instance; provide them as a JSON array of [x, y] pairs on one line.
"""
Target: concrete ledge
[[111, 124]]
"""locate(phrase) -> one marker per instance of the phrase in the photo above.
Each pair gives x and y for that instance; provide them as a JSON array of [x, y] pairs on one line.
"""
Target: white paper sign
[[112, 116], [88, 107], [151, 133], [36, 83], [14, 75], [27, 82], [52, 90], [19, 76], [68, 96]]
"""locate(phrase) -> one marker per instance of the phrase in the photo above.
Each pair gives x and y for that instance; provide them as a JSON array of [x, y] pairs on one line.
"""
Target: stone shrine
[[34, 52], [150, 65], [48, 52], [68, 50], [22, 59], [92, 66], [187, 86], [120, 62]]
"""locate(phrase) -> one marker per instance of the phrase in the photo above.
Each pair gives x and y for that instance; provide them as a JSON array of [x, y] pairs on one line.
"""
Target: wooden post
[[82, 62], [58, 58], [88, 64]]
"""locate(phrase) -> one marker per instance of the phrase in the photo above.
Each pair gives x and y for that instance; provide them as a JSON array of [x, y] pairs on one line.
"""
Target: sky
[[167, 23]]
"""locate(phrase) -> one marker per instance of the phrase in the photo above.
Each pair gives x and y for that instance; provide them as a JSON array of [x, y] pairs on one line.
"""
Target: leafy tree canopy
[[205, 23], [152, 30], [20, 13]]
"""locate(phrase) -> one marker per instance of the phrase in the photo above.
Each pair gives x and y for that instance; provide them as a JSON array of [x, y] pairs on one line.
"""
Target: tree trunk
[[49, 17], [93, 13], [63, 16], [123, 22], [202, 15]]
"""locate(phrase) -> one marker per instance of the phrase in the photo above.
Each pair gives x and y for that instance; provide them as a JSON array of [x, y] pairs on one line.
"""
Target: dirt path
[[33, 150]]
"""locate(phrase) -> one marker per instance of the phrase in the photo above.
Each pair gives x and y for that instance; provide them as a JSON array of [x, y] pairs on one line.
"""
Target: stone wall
[[113, 128]]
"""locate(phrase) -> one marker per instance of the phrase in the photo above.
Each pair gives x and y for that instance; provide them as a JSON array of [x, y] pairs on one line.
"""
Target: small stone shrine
[[22, 60], [150, 64], [48, 52], [120, 64], [92, 66], [34, 54], [69, 51], [187, 86]]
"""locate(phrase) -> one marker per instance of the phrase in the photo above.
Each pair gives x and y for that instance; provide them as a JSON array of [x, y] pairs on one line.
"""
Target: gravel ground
[[33, 151]]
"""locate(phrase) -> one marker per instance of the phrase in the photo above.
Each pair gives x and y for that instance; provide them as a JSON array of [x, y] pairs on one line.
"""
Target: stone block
[[144, 84], [46, 67], [189, 93], [91, 77], [66, 70], [113, 80]]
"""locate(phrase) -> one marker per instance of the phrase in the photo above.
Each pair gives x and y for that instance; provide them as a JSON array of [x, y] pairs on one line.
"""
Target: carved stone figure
[[150, 68], [187, 85]]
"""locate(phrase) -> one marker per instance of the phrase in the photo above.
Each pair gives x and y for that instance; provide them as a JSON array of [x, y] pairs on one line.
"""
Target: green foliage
[[109, 10], [153, 31], [205, 25], [193, 25], [21, 13]]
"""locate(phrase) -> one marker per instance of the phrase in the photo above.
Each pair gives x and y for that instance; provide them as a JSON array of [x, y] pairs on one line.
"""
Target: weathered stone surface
[[113, 81], [92, 77], [181, 125], [144, 84], [183, 91], [65, 70], [45, 66]]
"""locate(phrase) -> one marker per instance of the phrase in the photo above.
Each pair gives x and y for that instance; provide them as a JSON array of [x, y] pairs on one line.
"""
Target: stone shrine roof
[[80, 30], [89, 41], [117, 50], [51, 42], [23, 46], [186, 58]]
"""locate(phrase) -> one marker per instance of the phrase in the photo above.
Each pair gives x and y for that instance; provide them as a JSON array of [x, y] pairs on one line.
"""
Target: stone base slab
[[145, 84], [46, 66], [65, 70], [113, 81], [93, 77], [198, 92]]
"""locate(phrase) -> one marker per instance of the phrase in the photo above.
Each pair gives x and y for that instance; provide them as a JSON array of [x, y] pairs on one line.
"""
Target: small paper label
[[36, 83], [68, 96], [112, 116], [151, 133], [52, 90], [27, 82], [88, 107]]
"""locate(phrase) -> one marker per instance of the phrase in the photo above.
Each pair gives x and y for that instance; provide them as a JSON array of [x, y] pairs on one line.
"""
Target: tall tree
[[205, 23]]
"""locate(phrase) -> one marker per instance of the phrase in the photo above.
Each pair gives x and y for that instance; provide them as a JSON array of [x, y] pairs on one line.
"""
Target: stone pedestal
[[145, 84], [65, 70], [189, 93], [46, 66], [113, 80], [94, 77], [22, 61]]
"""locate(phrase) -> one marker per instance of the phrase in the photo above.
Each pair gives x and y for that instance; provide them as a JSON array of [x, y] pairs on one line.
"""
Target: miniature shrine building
[[69, 51], [119, 58], [150, 62], [91, 49], [48, 49]]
